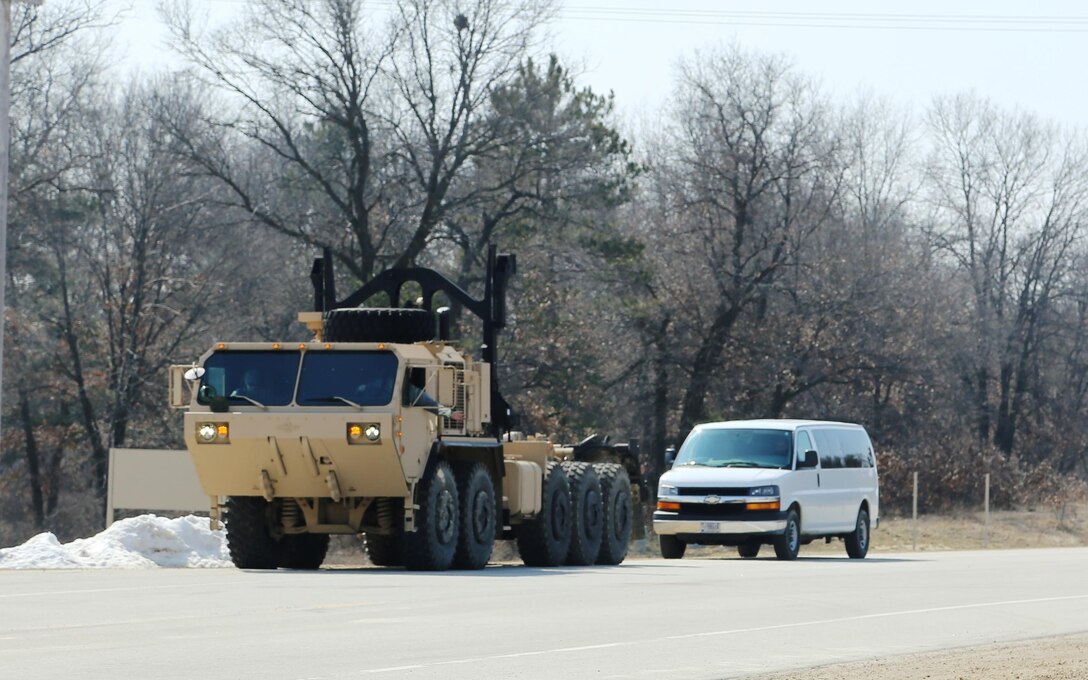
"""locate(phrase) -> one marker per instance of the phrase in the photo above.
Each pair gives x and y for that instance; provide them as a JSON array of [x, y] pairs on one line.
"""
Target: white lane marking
[[882, 615], [93, 590], [734, 631]]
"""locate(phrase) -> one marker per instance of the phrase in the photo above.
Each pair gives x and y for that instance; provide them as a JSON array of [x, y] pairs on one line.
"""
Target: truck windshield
[[737, 448], [245, 377], [363, 378]]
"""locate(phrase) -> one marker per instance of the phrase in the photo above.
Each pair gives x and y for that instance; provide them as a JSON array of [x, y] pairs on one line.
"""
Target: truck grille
[[448, 423]]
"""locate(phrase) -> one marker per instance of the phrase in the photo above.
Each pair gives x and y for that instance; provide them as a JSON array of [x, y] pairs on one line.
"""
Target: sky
[[144, 542], [1025, 55]]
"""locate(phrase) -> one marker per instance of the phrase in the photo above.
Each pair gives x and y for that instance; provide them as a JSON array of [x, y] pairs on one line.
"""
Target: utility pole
[[5, 146]]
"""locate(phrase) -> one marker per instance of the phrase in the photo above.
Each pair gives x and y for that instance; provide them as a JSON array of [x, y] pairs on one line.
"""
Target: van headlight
[[769, 490], [667, 490]]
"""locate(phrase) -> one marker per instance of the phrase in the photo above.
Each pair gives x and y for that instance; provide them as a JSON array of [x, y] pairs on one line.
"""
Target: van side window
[[801, 444], [857, 452], [827, 442]]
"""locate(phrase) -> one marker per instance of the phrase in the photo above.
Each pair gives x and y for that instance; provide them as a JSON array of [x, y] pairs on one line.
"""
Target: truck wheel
[[363, 324], [248, 539], [587, 513], [616, 501], [672, 548], [432, 545], [476, 538], [303, 551], [857, 541], [788, 544], [545, 540], [748, 550], [384, 551]]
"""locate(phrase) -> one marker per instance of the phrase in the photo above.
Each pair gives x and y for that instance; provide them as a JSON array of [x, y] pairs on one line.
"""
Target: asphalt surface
[[694, 618]]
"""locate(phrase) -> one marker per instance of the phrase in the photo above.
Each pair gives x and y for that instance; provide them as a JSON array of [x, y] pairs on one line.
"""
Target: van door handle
[[817, 479]]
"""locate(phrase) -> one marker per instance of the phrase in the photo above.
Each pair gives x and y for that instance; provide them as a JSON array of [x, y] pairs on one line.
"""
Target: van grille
[[712, 491]]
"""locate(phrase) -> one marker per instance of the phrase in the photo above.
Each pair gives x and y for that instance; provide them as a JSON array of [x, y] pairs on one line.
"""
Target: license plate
[[710, 527]]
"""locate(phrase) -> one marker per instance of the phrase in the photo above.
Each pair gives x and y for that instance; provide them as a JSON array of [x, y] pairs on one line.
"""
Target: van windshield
[[737, 448]]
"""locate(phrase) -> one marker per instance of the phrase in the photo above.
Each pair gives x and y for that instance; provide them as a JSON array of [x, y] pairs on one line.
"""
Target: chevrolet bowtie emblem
[[712, 500]]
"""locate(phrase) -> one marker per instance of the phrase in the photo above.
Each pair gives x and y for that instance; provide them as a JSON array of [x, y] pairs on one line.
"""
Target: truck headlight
[[667, 490], [770, 490], [364, 433], [213, 433]]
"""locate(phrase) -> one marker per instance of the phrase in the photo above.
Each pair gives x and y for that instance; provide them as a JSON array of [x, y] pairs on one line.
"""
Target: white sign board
[[153, 479]]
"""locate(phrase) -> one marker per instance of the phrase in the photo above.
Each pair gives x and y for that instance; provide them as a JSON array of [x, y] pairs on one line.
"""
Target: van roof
[[771, 424]]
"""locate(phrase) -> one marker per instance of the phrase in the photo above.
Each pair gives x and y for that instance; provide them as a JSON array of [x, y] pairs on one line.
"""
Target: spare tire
[[363, 324]]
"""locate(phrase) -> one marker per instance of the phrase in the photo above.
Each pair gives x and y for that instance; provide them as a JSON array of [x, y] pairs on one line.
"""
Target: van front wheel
[[788, 544], [857, 541]]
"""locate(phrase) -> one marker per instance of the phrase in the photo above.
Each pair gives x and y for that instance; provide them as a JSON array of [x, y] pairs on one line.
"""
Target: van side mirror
[[808, 459], [670, 456]]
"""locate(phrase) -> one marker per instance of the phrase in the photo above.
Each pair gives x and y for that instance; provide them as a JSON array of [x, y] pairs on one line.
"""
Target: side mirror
[[670, 456], [807, 460], [179, 375]]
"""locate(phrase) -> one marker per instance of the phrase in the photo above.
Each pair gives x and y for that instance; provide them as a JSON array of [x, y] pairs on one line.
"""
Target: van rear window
[[843, 448]]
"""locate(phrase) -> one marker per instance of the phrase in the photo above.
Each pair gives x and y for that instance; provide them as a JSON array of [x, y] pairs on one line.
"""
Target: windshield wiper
[[740, 464], [249, 399], [337, 397], [694, 463]]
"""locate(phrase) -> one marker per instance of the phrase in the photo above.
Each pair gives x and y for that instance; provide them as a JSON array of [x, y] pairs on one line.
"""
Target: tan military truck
[[380, 426]]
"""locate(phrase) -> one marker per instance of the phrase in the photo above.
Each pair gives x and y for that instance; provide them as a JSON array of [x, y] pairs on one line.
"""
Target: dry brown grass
[[1028, 528]]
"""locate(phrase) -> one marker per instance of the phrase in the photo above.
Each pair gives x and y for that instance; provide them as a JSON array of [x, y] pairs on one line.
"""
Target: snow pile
[[143, 542]]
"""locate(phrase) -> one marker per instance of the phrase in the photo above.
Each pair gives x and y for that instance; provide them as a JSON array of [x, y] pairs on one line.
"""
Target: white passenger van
[[748, 483]]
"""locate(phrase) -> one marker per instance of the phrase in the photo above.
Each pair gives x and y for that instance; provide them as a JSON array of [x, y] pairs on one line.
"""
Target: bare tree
[[371, 127], [1010, 196], [753, 177]]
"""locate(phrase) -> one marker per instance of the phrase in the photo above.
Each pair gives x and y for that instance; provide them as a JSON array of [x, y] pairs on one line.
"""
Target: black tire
[[545, 540], [364, 324], [748, 550], [432, 545], [249, 540], [587, 513], [384, 551], [788, 544], [857, 541], [618, 512], [476, 538], [303, 551], [672, 548]]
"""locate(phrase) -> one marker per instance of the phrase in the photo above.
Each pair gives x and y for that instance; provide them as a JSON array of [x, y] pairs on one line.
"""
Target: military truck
[[379, 425]]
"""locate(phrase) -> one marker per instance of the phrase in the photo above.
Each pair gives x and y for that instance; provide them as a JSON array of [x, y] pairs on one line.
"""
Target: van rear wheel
[[788, 544], [672, 548], [857, 541], [748, 550]]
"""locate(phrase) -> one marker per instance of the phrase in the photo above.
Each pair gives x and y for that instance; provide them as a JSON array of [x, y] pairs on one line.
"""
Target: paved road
[[699, 618]]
